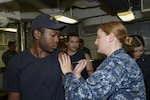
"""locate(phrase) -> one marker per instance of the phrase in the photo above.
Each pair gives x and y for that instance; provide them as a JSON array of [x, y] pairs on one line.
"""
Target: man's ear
[[36, 34], [111, 37]]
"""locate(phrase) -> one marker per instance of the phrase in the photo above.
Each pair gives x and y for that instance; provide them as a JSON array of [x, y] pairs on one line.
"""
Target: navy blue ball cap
[[46, 21], [12, 42]]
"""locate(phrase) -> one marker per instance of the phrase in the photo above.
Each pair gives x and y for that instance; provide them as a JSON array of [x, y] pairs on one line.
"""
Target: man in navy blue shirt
[[35, 73], [83, 48], [7, 55]]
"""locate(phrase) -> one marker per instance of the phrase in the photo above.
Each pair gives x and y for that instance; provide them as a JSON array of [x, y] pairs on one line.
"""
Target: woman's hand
[[79, 67], [65, 63]]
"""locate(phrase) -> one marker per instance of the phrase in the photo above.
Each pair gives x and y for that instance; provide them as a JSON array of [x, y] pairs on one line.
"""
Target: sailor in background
[[8, 54]]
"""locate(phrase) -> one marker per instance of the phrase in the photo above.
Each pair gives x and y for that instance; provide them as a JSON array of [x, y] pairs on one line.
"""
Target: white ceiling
[[81, 9]]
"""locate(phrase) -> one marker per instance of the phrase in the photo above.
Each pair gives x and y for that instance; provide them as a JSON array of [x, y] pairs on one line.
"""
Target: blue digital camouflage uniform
[[117, 78]]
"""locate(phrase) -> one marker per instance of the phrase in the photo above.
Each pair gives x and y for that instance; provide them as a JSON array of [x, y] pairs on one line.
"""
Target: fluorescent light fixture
[[9, 29], [126, 16], [4, 1], [65, 19]]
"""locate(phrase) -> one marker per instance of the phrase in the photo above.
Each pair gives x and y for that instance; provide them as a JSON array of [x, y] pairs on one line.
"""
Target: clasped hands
[[66, 65]]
